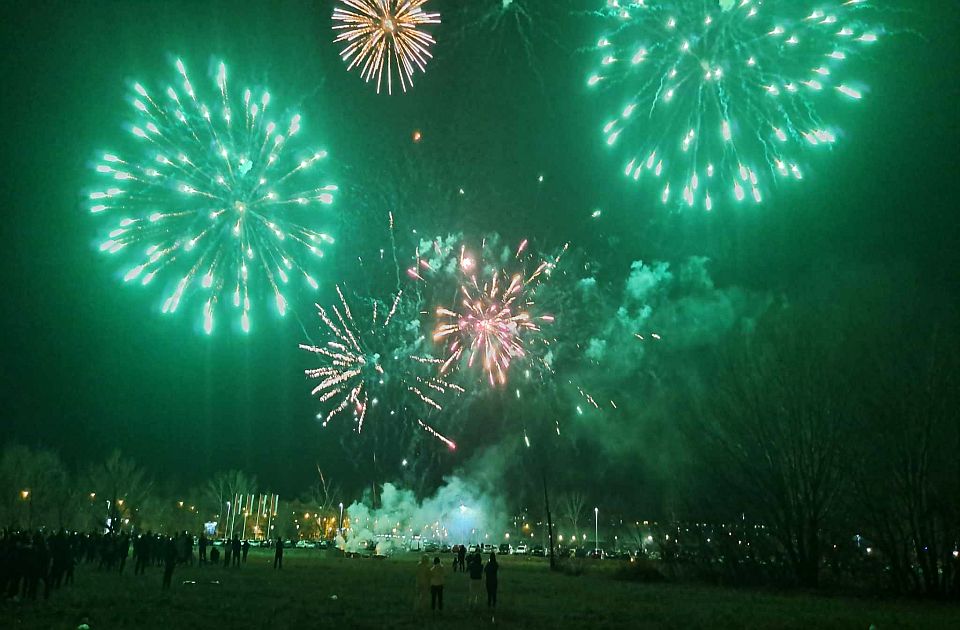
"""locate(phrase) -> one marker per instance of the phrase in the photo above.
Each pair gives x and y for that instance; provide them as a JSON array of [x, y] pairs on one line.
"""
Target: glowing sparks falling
[[721, 98], [493, 318], [385, 35], [210, 200], [365, 365]]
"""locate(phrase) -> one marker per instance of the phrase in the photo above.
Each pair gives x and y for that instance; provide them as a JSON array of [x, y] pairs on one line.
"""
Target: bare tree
[[120, 487], [571, 509], [222, 492], [775, 424], [908, 478], [34, 486]]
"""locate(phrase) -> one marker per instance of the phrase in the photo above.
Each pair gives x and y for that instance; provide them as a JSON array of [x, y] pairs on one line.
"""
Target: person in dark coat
[[437, 578], [475, 569], [490, 573], [227, 550], [461, 556], [123, 550], [246, 550], [236, 551], [169, 561], [278, 555], [141, 549], [203, 548]]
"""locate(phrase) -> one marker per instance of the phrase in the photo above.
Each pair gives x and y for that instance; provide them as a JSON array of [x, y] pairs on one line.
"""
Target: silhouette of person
[[203, 548], [423, 583], [461, 556], [227, 551], [123, 550], [490, 572], [437, 575], [246, 550], [169, 561], [278, 555], [475, 568], [236, 551]]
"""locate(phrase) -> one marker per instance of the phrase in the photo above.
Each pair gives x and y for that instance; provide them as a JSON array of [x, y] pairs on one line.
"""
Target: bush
[[639, 570], [572, 566]]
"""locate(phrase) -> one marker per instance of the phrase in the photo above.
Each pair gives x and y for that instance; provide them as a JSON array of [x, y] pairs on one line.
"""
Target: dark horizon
[[90, 366]]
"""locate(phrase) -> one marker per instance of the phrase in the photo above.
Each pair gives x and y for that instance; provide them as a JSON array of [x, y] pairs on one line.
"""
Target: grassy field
[[318, 589]]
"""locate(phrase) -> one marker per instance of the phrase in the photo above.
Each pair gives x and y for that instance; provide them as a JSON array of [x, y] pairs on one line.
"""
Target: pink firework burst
[[495, 315]]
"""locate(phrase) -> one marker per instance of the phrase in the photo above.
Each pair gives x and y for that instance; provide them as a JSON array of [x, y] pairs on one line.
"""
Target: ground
[[319, 589]]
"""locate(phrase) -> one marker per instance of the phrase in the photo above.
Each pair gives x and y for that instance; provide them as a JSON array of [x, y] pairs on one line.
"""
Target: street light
[[596, 530]]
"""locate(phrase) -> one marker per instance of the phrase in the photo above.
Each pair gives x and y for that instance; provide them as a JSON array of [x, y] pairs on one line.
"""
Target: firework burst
[[495, 315], [381, 34], [214, 196], [374, 364], [719, 99]]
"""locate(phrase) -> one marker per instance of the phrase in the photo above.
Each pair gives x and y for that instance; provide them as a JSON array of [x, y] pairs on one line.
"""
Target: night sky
[[89, 365]]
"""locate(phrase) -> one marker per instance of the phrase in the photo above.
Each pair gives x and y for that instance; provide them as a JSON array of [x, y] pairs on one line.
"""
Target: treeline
[[833, 429], [38, 491]]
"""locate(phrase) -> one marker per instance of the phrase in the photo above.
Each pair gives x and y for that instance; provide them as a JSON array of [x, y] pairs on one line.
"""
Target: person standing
[[123, 550], [140, 554], [203, 548], [461, 555], [227, 550], [236, 551], [169, 561], [278, 554], [436, 584], [423, 583], [475, 569], [490, 573], [246, 550]]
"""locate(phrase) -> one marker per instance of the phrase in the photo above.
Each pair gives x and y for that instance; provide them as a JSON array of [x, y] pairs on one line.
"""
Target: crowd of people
[[33, 564], [31, 559], [431, 578]]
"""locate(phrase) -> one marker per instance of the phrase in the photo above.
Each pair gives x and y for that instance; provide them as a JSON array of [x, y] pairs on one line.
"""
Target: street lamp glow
[[596, 530], [24, 494]]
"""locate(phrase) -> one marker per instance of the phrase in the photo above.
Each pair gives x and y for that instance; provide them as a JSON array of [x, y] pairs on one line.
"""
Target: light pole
[[596, 531], [340, 523], [26, 496]]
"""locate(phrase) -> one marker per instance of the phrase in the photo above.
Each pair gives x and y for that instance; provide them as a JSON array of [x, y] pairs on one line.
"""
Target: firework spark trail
[[493, 318], [519, 34], [718, 93], [382, 34], [362, 362], [214, 195], [426, 427]]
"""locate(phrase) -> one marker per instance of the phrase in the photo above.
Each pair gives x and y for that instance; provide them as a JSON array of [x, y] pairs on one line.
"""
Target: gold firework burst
[[381, 34]]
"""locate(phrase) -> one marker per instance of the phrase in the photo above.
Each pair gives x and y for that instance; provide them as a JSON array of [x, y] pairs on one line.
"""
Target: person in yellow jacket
[[437, 574], [423, 583]]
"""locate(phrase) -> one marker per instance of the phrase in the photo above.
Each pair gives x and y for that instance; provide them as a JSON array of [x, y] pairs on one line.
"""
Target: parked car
[[472, 549], [538, 551], [488, 548], [521, 549], [431, 547], [444, 548], [505, 549], [306, 544]]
